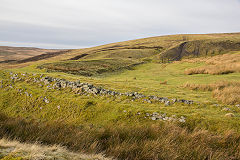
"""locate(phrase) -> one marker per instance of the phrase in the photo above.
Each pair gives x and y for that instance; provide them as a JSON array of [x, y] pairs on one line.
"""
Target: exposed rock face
[[197, 48]]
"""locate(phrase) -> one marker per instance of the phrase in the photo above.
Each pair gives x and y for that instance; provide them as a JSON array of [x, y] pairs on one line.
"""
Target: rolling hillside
[[163, 49], [167, 97]]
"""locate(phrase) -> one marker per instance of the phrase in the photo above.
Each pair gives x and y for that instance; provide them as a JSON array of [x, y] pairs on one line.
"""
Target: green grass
[[147, 78], [101, 110]]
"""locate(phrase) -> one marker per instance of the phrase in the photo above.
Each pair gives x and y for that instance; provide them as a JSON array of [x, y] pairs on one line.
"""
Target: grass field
[[118, 126]]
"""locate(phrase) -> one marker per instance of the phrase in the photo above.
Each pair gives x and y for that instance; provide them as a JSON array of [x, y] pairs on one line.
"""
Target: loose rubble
[[86, 88], [89, 89], [163, 117]]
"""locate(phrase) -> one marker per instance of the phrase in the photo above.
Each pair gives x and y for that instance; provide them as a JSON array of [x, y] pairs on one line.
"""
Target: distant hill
[[161, 49], [172, 47], [12, 54]]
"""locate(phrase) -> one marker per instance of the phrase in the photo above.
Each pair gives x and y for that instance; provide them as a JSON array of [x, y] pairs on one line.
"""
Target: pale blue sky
[[85, 23]]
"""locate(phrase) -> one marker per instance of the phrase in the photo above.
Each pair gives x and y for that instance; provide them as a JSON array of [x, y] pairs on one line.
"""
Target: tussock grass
[[12, 149], [156, 141], [91, 67], [221, 64], [226, 92]]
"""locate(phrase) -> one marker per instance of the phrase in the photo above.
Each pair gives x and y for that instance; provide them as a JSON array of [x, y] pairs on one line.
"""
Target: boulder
[[153, 118], [167, 103], [182, 120], [174, 100], [229, 115]]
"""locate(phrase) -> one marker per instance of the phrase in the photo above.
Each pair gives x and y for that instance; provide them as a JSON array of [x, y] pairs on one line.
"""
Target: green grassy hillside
[[163, 49], [168, 97]]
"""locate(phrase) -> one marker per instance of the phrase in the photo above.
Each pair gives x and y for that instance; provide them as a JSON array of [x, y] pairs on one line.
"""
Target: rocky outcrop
[[198, 48]]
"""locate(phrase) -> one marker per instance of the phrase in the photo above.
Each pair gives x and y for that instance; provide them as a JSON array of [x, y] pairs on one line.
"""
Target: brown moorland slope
[[10, 54]]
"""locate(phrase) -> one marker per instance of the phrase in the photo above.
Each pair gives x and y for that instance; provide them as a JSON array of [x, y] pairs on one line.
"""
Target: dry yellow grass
[[156, 141], [226, 92], [221, 64], [11, 149]]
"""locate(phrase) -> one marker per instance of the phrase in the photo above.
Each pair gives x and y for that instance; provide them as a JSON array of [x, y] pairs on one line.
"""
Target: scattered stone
[[45, 100], [26, 94], [87, 89], [182, 117], [174, 100], [148, 101], [226, 109], [153, 118], [167, 103], [229, 115], [182, 120], [164, 118]]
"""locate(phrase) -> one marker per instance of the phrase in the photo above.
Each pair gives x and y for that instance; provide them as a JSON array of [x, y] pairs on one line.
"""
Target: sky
[[87, 23]]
